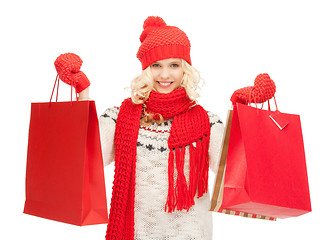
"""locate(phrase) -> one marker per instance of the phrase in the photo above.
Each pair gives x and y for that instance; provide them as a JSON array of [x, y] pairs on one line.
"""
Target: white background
[[232, 42]]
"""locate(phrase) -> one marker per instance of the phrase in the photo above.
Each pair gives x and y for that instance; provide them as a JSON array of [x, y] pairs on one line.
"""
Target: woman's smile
[[164, 84]]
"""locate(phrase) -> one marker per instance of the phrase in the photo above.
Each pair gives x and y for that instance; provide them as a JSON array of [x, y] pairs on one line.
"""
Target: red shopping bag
[[265, 171], [64, 175]]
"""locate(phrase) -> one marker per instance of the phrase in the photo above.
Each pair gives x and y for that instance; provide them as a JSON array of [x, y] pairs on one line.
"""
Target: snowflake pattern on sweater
[[151, 189]]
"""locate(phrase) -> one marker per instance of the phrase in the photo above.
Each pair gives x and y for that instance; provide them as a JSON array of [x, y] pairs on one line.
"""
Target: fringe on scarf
[[182, 196]]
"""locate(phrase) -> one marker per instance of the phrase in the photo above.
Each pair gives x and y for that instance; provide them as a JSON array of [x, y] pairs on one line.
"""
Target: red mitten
[[264, 89], [68, 68], [241, 95]]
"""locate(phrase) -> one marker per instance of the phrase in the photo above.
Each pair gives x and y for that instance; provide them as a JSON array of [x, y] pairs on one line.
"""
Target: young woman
[[162, 143]]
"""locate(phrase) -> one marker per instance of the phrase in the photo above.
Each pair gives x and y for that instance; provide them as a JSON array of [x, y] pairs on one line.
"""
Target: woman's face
[[167, 74]]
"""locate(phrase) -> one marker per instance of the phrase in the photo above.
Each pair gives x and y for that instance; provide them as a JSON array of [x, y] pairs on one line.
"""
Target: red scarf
[[190, 125]]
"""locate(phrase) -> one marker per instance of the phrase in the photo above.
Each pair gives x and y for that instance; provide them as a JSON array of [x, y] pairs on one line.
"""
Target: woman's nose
[[165, 73]]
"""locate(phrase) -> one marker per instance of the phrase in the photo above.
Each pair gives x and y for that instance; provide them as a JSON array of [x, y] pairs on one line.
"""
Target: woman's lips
[[164, 84]]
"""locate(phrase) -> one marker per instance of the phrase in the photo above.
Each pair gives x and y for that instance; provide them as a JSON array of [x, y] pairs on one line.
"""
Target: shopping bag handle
[[57, 82], [269, 108]]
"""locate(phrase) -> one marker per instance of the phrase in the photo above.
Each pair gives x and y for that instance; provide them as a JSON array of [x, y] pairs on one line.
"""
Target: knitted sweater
[[151, 189]]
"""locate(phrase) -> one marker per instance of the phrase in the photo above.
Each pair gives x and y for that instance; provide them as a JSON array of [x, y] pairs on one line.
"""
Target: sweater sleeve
[[215, 144], [107, 122]]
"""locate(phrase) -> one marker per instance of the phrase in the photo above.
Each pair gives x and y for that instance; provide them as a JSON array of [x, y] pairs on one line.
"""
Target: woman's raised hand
[[264, 89], [68, 69]]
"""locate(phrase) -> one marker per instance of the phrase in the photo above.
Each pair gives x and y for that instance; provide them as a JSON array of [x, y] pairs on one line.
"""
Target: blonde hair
[[142, 85]]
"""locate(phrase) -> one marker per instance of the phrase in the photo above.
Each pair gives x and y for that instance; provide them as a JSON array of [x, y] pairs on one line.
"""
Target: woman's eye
[[155, 65], [174, 65]]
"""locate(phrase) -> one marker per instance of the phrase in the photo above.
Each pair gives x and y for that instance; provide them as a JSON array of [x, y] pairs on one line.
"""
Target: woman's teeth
[[165, 83]]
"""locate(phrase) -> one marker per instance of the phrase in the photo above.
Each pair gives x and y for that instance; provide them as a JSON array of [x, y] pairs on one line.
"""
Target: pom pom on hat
[[153, 22], [160, 41], [150, 24]]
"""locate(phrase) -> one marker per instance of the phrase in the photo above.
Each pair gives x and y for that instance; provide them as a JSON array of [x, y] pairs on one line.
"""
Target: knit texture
[[159, 41], [68, 68], [264, 89], [121, 225], [168, 105], [150, 219], [121, 216]]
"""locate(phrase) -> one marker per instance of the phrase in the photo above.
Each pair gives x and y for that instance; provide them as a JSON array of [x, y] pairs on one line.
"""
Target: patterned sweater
[[151, 189]]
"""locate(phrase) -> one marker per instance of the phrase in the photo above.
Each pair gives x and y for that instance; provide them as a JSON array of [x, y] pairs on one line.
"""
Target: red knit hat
[[160, 41]]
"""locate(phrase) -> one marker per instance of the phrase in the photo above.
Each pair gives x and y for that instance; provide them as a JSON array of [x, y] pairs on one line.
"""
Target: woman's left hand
[[264, 89]]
